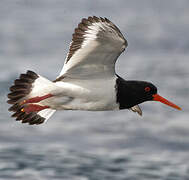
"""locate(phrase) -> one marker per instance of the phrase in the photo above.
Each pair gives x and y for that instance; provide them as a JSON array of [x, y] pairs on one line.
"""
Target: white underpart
[[96, 95]]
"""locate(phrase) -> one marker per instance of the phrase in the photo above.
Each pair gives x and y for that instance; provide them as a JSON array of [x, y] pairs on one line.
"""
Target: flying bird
[[87, 81]]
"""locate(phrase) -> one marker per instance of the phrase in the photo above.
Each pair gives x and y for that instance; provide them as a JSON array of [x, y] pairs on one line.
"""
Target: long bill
[[157, 97]]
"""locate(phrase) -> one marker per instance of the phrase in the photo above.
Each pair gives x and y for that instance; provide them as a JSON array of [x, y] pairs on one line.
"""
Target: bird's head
[[148, 92], [131, 93]]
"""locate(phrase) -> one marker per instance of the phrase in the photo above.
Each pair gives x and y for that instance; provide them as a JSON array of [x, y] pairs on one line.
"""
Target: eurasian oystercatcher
[[87, 81]]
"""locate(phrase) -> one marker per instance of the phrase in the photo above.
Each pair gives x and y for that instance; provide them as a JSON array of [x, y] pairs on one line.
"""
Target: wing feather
[[95, 47]]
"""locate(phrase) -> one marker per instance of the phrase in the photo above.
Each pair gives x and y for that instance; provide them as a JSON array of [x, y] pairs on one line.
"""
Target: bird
[[87, 81]]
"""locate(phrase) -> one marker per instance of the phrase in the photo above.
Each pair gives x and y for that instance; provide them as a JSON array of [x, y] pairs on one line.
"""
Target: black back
[[131, 93]]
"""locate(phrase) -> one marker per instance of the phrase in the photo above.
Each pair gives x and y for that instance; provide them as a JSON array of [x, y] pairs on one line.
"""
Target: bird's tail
[[26, 93]]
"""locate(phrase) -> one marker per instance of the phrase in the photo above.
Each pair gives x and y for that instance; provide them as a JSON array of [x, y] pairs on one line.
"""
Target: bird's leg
[[36, 99], [28, 107], [33, 108]]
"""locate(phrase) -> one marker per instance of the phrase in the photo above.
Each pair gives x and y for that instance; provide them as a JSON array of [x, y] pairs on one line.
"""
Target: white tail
[[27, 86]]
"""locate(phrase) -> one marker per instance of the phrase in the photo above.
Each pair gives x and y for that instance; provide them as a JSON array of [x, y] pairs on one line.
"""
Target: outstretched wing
[[95, 47]]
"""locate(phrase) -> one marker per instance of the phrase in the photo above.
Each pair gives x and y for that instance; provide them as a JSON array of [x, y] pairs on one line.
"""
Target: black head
[[131, 93]]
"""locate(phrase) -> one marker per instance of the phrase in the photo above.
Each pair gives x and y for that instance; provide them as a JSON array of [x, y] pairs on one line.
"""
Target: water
[[76, 145]]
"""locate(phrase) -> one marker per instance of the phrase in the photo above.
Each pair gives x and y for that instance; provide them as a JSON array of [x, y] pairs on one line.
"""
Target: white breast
[[94, 95]]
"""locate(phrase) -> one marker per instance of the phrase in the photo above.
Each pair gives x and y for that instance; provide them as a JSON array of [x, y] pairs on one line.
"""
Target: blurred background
[[75, 145]]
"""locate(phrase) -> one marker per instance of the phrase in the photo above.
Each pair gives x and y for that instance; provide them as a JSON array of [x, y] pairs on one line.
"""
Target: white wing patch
[[95, 47]]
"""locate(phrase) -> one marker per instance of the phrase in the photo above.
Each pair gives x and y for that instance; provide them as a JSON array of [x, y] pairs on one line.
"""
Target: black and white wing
[[95, 47]]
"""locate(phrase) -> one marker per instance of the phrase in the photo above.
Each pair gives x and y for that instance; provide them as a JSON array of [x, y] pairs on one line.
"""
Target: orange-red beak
[[157, 97]]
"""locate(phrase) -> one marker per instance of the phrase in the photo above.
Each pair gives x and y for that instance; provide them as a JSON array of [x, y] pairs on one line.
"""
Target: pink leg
[[36, 99], [33, 108]]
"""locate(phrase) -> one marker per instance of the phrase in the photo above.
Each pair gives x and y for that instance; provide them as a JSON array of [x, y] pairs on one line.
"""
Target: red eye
[[147, 89]]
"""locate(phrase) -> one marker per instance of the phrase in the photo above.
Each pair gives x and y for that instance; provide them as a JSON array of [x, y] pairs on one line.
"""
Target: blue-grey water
[[74, 145]]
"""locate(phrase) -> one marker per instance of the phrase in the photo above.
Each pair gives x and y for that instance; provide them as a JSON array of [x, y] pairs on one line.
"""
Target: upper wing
[[95, 47]]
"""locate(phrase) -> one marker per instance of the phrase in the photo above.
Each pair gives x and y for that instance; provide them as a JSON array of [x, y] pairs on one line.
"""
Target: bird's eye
[[147, 89]]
